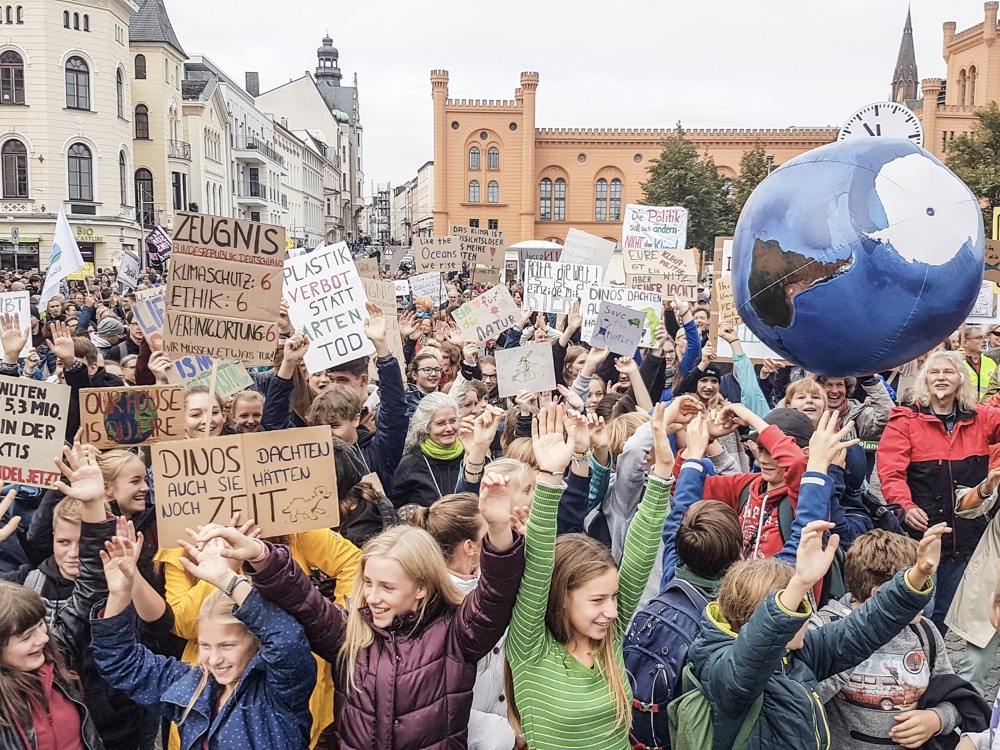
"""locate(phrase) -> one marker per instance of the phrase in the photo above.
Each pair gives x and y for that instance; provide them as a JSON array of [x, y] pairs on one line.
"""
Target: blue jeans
[[946, 582]]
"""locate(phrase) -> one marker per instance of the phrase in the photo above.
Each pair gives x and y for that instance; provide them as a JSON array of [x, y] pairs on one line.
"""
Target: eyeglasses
[[430, 370], [490, 377], [445, 423]]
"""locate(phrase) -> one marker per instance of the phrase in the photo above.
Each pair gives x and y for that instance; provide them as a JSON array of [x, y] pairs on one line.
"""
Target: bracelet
[[979, 490], [261, 556], [557, 474], [581, 456], [237, 580]]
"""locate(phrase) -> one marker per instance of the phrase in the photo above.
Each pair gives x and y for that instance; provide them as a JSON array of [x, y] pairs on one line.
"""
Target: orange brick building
[[494, 168]]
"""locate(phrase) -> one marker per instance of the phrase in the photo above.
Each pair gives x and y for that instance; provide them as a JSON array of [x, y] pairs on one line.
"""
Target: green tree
[[975, 158], [678, 177], [753, 170]]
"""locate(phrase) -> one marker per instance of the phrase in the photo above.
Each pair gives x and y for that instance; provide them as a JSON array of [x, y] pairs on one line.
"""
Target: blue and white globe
[[858, 256]]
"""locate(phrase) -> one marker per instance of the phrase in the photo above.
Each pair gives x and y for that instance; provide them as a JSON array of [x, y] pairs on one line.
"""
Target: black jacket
[[970, 704], [424, 480]]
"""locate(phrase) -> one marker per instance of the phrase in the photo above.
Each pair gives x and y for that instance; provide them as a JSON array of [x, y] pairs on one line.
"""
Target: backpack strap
[[786, 515], [928, 630], [693, 595], [35, 581], [744, 496], [748, 723]]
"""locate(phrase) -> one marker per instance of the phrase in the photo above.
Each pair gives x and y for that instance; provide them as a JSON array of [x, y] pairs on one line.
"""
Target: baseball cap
[[794, 424]]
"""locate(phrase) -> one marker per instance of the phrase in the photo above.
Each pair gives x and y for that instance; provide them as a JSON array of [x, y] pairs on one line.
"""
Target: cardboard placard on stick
[[439, 254], [554, 287], [367, 268], [33, 418], [224, 288], [488, 315], [131, 416], [326, 300], [588, 249], [525, 368], [724, 301], [382, 293], [285, 480]]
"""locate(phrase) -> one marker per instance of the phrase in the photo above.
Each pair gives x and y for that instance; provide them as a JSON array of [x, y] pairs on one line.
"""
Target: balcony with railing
[[250, 148], [179, 150], [251, 193]]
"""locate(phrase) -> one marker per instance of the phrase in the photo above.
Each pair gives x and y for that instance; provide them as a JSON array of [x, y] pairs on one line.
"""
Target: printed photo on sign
[[33, 417], [127, 417], [488, 315], [326, 301], [554, 287], [285, 480], [525, 368], [619, 329]]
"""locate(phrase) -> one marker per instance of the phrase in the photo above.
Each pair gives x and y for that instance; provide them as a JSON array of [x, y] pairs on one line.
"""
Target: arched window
[[973, 76], [140, 67], [560, 201], [15, 169], [493, 192], [81, 173], [144, 198], [77, 84], [615, 214], [142, 122], [474, 157], [474, 191], [20, 14], [962, 86], [545, 200], [86, 22], [123, 177], [493, 158], [11, 78], [76, 21], [65, 19], [601, 202], [10, 14], [120, 91]]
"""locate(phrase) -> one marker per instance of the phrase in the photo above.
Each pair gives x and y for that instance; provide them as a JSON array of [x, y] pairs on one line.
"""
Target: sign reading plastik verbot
[[140, 415], [488, 315], [285, 480], [32, 430], [224, 288], [326, 300]]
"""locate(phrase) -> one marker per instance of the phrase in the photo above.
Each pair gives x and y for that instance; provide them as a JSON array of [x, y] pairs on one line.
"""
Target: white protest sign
[[581, 247], [525, 368], [654, 228], [382, 294], [488, 315], [402, 287], [554, 287], [525, 254], [618, 329], [128, 271], [985, 308], [428, 285], [18, 303], [438, 254], [326, 300], [753, 347], [648, 304]]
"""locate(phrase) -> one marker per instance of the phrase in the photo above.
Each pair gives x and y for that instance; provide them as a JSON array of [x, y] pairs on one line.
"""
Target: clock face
[[885, 120]]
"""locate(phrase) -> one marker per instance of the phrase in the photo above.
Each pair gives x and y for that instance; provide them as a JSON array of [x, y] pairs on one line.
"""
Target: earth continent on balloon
[[858, 256]]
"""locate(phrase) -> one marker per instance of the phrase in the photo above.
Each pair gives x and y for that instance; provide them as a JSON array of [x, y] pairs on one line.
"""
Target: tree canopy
[[975, 158]]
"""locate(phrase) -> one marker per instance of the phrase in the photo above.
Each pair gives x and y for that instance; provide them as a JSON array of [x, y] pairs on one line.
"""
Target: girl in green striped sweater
[[565, 641]]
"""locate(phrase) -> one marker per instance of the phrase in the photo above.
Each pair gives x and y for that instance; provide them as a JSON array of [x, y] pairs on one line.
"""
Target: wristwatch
[[237, 580]]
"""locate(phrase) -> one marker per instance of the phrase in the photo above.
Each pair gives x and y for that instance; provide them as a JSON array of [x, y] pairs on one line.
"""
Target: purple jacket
[[414, 683]]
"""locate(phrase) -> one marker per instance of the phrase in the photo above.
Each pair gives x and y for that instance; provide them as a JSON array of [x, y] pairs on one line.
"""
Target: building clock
[[886, 120]]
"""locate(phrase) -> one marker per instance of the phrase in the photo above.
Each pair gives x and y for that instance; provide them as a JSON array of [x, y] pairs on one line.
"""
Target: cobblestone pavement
[[956, 651]]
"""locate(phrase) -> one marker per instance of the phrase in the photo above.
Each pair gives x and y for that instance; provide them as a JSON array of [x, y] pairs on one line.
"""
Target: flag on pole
[[64, 260]]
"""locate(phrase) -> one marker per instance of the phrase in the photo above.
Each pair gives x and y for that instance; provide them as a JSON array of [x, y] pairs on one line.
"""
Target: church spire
[[905, 82]]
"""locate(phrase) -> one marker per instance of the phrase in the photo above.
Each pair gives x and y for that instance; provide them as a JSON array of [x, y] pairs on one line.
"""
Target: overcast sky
[[617, 63]]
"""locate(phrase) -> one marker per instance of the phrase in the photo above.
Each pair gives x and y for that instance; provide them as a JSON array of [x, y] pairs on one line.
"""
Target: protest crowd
[[422, 514]]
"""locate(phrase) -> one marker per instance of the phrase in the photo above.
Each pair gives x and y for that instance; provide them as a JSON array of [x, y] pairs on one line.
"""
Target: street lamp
[[770, 162]]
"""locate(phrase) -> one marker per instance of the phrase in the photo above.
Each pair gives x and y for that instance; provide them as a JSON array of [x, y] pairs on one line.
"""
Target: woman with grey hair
[[929, 450], [432, 454]]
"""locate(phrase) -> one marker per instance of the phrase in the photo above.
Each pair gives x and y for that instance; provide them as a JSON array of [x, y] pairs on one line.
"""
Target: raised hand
[[707, 356], [207, 563], [120, 558], [928, 556], [570, 398], [527, 402], [239, 546], [12, 336], [284, 322], [827, 445], [553, 449], [728, 333], [375, 325], [454, 334], [160, 365], [594, 358], [80, 469], [11, 526], [61, 343], [575, 319], [813, 559], [582, 444], [470, 352], [495, 505], [626, 366], [664, 456], [698, 437], [407, 323], [683, 409], [296, 347]]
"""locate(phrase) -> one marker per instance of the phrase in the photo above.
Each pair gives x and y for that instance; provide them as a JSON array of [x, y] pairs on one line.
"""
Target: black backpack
[[655, 652]]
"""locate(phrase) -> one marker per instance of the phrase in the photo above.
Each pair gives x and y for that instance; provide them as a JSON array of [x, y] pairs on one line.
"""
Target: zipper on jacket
[[812, 710]]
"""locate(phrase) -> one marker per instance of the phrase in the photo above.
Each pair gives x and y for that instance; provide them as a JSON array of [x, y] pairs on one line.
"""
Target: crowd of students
[[665, 551]]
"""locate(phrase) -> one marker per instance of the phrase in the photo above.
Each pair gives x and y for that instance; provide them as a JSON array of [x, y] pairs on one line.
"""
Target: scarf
[[441, 452], [708, 586]]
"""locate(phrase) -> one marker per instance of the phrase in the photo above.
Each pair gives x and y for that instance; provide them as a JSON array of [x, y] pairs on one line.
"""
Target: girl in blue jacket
[[251, 686]]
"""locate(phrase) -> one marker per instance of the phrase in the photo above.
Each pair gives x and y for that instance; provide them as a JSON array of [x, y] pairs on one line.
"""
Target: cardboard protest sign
[[382, 293], [128, 271], [285, 480], [158, 247], [402, 287], [660, 228], [992, 272], [224, 288], [647, 304], [680, 287], [326, 300], [554, 287], [480, 247], [753, 347], [723, 299], [367, 268], [488, 315], [438, 254], [618, 329], [18, 303], [32, 430], [581, 247], [985, 308], [428, 285], [525, 254], [149, 311], [525, 368], [130, 416]]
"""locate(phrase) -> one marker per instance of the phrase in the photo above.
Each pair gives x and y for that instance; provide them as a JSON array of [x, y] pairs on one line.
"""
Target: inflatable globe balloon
[[858, 256]]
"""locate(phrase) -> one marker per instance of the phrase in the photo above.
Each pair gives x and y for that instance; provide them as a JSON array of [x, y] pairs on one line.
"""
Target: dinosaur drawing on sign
[[307, 508], [524, 368]]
